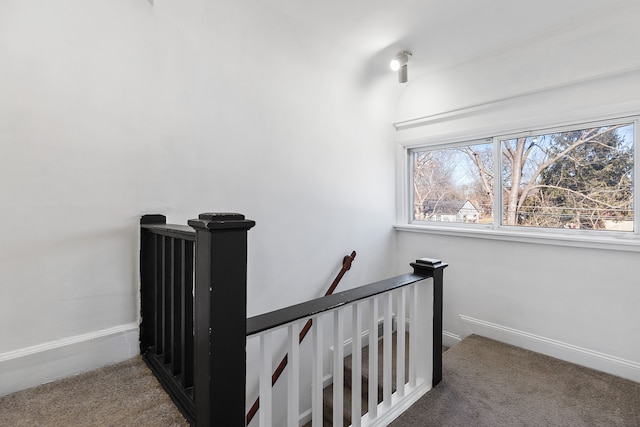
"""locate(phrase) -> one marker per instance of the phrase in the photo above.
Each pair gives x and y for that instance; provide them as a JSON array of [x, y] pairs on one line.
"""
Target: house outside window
[[448, 185]]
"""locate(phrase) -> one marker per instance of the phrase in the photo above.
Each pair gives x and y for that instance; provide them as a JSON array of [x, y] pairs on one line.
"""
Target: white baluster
[[387, 347], [266, 353], [338, 367], [356, 368], [293, 375], [316, 376], [400, 343], [414, 327], [373, 358]]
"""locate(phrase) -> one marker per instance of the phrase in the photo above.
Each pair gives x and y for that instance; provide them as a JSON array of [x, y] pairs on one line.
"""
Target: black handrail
[[422, 269], [172, 230], [273, 319]]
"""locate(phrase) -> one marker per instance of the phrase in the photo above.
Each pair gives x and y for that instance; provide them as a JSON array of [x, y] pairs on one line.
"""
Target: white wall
[[111, 109], [579, 304]]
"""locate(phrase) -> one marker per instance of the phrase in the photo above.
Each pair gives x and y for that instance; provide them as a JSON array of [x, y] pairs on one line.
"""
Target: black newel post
[[221, 317], [434, 268], [148, 282]]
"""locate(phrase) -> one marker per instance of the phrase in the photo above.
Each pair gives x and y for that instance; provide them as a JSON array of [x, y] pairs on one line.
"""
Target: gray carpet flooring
[[485, 383], [488, 383], [124, 394]]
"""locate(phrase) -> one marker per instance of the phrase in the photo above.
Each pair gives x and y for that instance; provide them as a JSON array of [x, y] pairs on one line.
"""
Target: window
[[573, 178], [453, 184]]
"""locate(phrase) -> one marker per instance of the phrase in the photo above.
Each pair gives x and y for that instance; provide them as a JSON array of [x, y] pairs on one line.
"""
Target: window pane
[[453, 184], [580, 179]]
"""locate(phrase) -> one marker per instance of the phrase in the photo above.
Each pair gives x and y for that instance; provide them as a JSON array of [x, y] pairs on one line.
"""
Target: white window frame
[[612, 240]]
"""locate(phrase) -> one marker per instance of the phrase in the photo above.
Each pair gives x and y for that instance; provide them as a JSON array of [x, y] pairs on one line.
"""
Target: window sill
[[617, 242]]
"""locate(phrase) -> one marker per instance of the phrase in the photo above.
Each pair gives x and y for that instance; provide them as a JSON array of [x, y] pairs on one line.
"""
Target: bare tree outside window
[[579, 179], [450, 185], [575, 179]]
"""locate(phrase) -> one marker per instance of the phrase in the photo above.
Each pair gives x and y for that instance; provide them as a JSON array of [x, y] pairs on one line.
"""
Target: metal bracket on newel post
[[430, 267], [220, 317]]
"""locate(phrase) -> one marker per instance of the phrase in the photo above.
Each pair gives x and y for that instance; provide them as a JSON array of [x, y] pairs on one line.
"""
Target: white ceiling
[[440, 33]]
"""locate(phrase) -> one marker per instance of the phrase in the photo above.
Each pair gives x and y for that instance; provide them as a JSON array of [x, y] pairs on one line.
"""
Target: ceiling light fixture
[[399, 64]]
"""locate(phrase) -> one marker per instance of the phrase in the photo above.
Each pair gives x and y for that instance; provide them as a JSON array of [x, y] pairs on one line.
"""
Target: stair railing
[[346, 266], [414, 300], [193, 283], [194, 330]]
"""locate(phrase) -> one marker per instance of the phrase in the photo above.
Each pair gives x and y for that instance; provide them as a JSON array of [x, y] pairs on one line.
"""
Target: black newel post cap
[[153, 219], [427, 264], [221, 221]]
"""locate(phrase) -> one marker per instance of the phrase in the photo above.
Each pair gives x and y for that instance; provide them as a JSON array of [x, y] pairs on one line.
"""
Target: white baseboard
[[305, 417], [385, 415], [581, 356], [43, 363], [450, 339], [347, 345]]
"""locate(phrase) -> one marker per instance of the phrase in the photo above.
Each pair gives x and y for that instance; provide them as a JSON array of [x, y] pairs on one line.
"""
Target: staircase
[[328, 391]]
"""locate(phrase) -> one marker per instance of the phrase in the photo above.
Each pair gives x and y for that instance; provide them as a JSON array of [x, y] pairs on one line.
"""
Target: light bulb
[[395, 64]]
